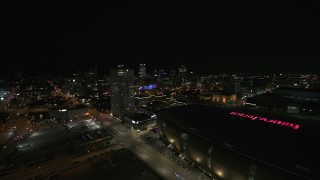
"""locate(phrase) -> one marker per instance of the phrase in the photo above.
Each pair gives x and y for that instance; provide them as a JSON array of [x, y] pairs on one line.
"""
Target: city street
[[50, 140], [164, 164]]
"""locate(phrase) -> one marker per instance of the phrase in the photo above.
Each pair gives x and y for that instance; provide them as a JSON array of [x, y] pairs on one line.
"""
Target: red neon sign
[[274, 121]]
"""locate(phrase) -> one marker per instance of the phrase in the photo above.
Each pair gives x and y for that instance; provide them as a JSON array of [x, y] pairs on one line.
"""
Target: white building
[[122, 91], [142, 70]]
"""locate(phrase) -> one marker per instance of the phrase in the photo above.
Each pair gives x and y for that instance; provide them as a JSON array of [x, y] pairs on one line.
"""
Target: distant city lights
[[149, 87]]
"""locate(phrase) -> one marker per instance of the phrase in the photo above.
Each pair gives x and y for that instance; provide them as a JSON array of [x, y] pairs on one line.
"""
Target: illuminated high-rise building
[[182, 69], [122, 91], [142, 70], [182, 74], [93, 72]]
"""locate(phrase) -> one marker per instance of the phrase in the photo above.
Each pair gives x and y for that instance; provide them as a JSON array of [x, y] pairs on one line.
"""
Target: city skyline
[[160, 89], [207, 38], [176, 124]]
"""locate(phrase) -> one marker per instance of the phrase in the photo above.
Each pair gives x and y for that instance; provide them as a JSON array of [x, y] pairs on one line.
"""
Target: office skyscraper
[[182, 74], [142, 70], [122, 91]]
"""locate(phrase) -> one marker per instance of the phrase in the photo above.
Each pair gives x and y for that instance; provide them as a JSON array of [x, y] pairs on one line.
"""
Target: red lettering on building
[[264, 119]]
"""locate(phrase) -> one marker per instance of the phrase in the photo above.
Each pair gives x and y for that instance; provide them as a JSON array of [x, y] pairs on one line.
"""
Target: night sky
[[55, 37]]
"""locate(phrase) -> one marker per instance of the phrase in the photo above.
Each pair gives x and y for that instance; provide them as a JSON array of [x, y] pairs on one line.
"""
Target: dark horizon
[[62, 38], [150, 69]]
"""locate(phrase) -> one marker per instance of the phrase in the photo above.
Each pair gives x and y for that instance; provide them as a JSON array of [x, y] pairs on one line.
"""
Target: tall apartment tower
[[122, 91], [142, 70], [182, 75]]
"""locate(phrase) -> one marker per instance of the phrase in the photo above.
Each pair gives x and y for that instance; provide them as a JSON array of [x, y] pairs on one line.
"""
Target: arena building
[[243, 144]]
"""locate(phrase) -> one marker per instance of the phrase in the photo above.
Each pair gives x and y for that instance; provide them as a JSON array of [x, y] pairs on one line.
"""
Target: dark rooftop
[[296, 89], [273, 138], [138, 116], [270, 100]]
